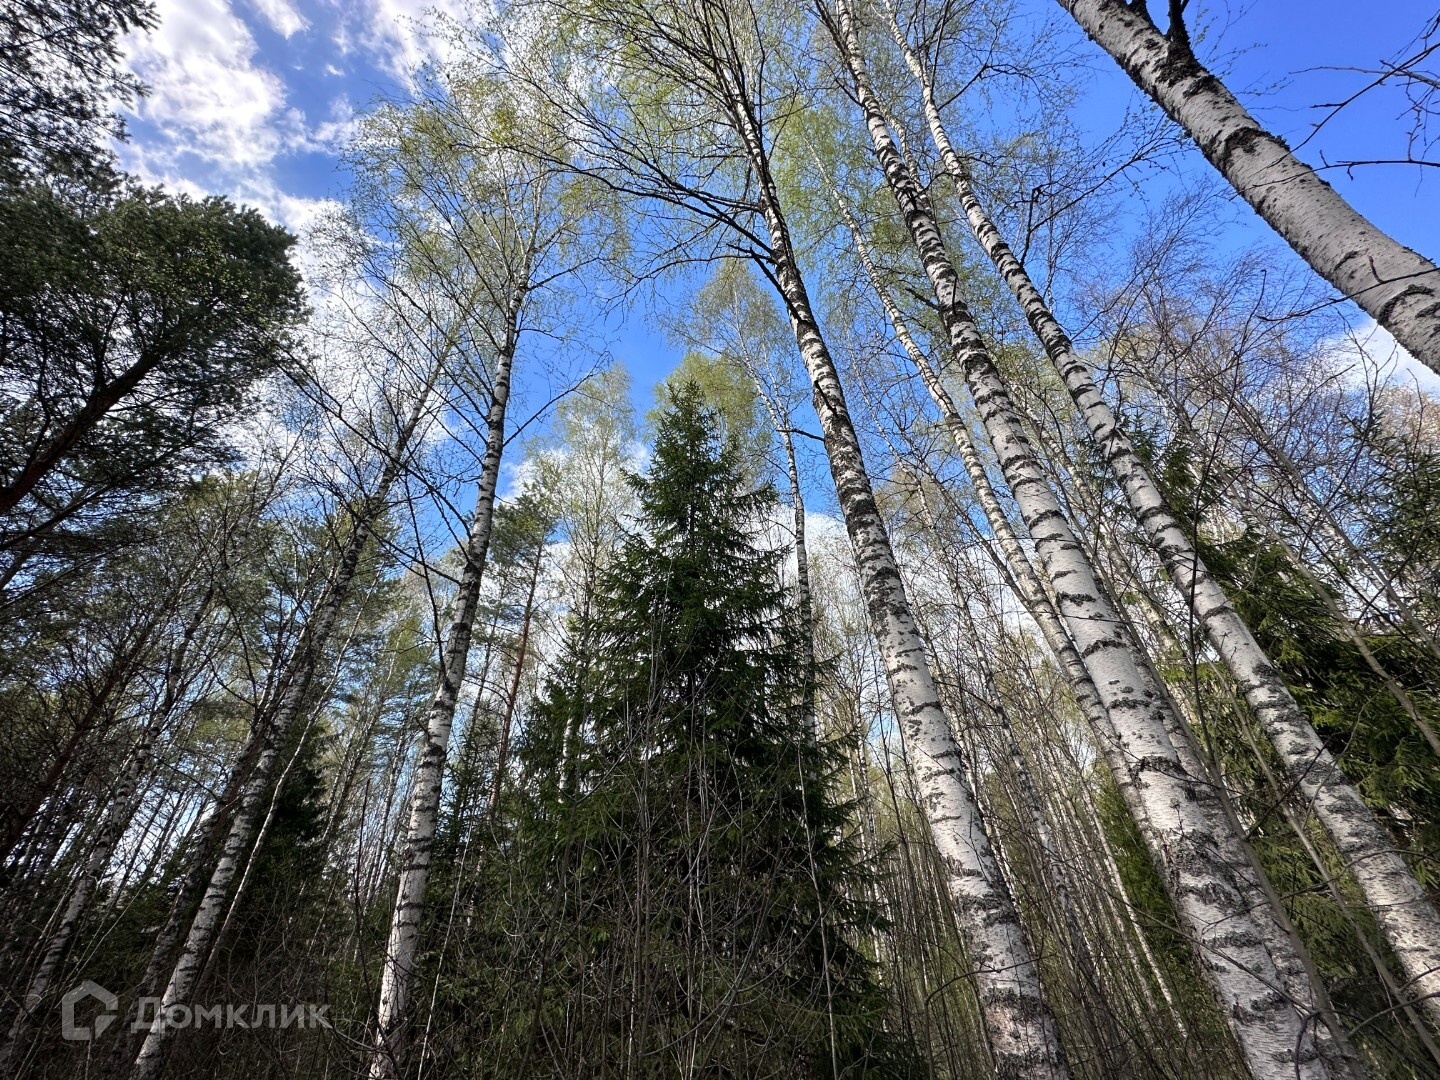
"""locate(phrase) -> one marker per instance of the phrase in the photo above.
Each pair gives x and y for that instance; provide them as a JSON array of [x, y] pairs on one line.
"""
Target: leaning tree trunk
[[1027, 801], [1016, 564], [1272, 1033], [44, 460], [1294, 966], [123, 802], [404, 940], [270, 737], [1397, 287], [1018, 1019], [1402, 909]]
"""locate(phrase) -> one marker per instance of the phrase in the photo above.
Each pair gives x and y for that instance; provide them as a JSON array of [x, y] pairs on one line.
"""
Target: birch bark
[[1407, 918], [1272, 1033], [1296, 969], [1018, 1020], [1015, 561], [270, 739], [1027, 800], [419, 837], [1397, 287], [404, 939]]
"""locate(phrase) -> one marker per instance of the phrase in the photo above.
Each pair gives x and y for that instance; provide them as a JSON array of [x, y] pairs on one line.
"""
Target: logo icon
[[85, 1032]]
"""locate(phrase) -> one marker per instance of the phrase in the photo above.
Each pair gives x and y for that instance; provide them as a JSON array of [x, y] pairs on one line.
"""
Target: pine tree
[[684, 813]]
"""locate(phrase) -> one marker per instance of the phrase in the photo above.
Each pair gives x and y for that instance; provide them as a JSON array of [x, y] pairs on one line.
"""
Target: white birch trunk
[[404, 939], [1404, 912], [1293, 965], [1029, 802], [1016, 562], [273, 731], [1272, 1034], [123, 803], [1018, 1021], [1397, 287], [201, 937]]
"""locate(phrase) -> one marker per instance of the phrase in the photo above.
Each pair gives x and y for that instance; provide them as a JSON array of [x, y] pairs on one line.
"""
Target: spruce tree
[[705, 901]]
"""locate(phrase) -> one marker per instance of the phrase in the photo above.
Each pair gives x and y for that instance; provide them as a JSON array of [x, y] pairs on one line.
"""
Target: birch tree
[[1397, 287], [1410, 920], [273, 730], [415, 328], [1273, 1035], [515, 225]]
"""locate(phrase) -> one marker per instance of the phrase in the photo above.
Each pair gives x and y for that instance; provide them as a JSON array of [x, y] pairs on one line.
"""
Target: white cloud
[[295, 212], [282, 16], [207, 93], [1374, 357], [217, 118], [328, 136], [397, 33]]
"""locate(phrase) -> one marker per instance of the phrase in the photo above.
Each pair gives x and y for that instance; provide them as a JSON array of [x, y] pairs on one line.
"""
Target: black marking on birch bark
[[1404, 296]]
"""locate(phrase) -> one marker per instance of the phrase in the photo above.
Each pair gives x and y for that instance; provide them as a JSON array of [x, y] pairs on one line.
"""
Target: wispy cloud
[[1373, 356], [399, 36], [208, 94], [218, 118], [282, 16]]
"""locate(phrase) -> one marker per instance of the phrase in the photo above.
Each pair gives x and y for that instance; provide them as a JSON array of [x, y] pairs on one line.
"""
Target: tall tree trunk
[[1397, 287], [1272, 1033], [1014, 561], [404, 940], [1399, 903], [513, 697], [100, 401], [1293, 962], [203, 837], [1027, 802], [1018, 1019], [122, 803], [270, 737]]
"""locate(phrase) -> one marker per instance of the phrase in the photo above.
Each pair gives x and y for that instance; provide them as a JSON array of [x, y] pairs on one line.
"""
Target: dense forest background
[[1009, 645]]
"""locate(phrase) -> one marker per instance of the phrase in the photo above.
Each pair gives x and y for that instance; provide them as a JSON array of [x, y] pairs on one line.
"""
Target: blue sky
[[1283, 55], [253, 98]]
